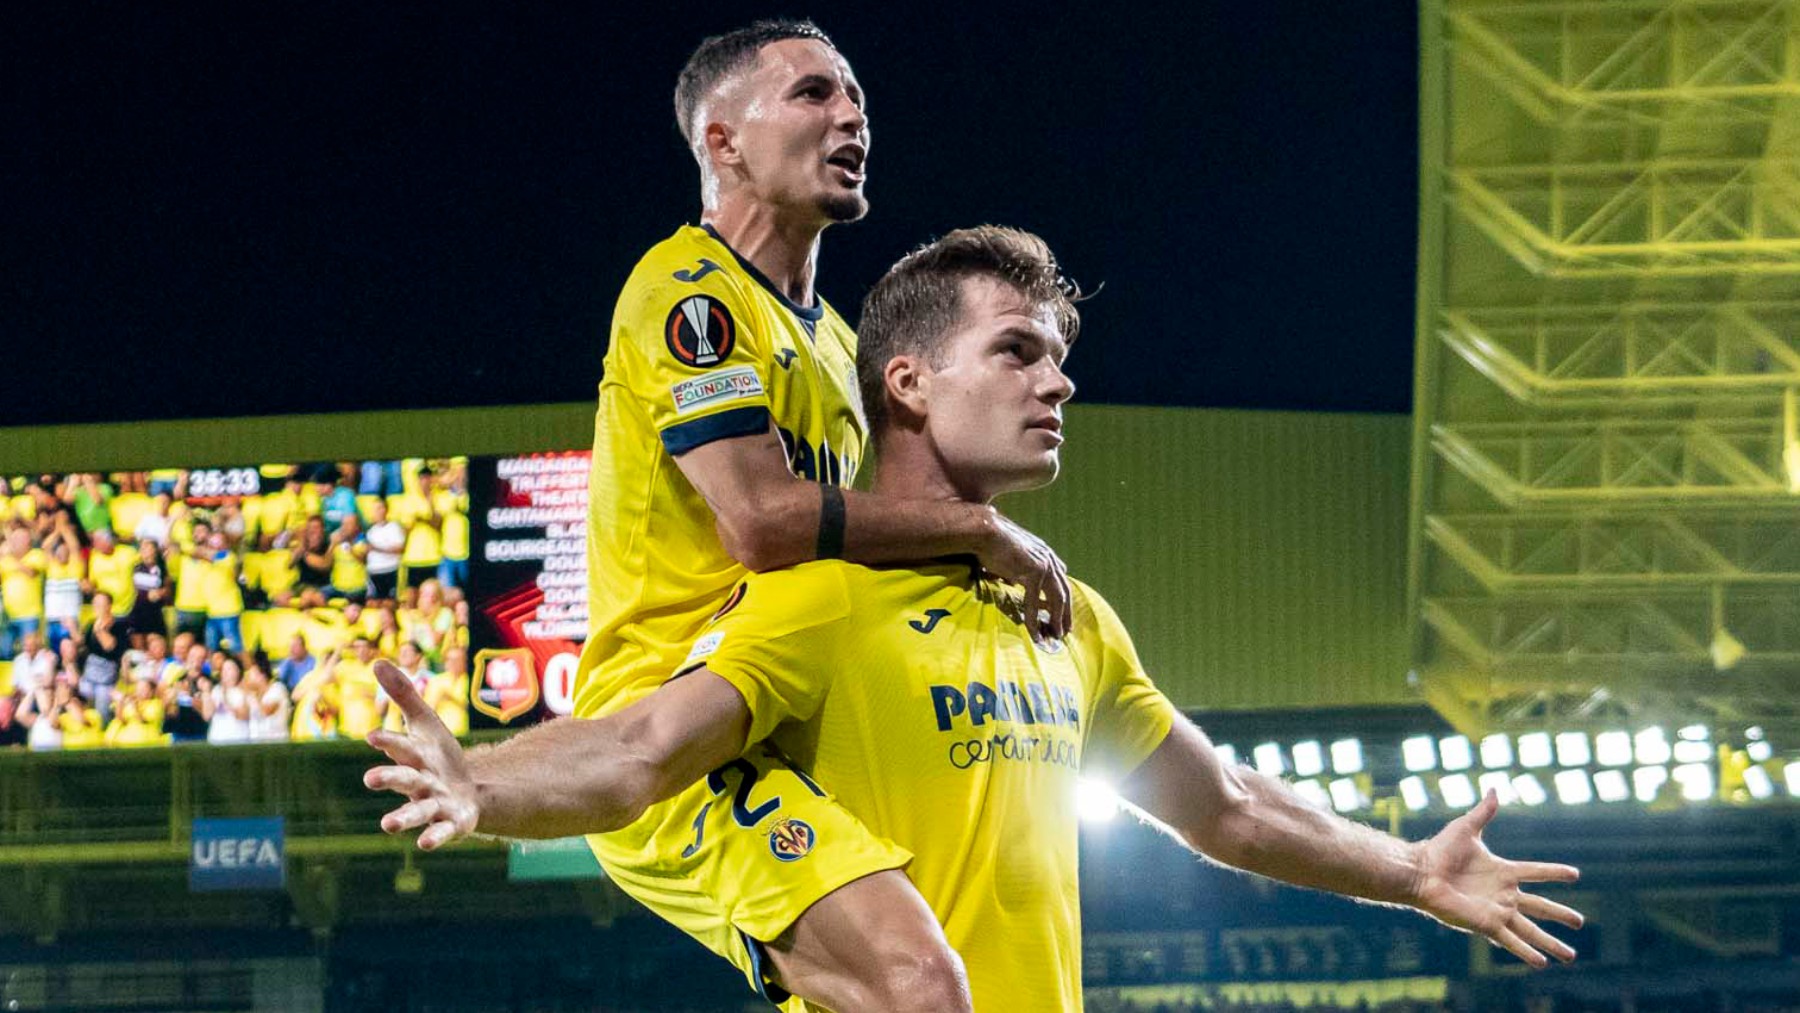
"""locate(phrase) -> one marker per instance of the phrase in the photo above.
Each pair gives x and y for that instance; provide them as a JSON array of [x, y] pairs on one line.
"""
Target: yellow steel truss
[[1606, 494]]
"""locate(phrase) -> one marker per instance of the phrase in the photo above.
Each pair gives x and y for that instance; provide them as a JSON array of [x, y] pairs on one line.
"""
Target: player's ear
[[906, 380], [721, 143]]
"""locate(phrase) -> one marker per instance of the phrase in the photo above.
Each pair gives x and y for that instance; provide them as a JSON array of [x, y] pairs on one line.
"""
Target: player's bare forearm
[[768, 518], [1244, 819], [1253, 822], [558, 779], [591, 776], [1276, 833]]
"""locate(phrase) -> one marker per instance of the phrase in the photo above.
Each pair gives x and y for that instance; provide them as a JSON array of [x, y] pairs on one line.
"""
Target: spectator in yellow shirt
[[21, 586], [448, 692], [451, 499], [429, 623], [316, 700], [191, 581], [138, 718], [80, 725], [349, 574], [224, 596], [281, 513], [110, 565], [358, 714], [417, 513]]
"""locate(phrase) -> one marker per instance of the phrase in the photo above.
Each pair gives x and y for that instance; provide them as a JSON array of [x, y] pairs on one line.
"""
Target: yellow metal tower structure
[[1606, 464]]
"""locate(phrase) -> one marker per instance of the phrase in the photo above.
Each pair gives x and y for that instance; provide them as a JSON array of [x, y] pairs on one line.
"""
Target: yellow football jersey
[[918, 698], [22, 583], [224, 598], [111, 572], [192, 583], [703, 348]]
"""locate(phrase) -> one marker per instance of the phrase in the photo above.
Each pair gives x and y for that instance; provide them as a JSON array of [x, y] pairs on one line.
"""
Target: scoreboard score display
[[529, 588]]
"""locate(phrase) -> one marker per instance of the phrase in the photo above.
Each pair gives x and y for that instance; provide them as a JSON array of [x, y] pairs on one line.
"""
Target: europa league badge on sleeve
[[505, 684]]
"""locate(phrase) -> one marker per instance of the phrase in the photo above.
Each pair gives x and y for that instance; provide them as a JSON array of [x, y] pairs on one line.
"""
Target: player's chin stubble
[[845, 207]]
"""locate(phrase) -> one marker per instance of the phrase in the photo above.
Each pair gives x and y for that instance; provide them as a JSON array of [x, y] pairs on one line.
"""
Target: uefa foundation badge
[[791, 840]]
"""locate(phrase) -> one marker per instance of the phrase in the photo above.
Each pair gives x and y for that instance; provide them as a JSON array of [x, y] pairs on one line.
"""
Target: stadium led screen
[[248, 604]]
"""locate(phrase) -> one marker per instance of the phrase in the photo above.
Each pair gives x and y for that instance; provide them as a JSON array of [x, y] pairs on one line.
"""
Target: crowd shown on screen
[[247, 605]]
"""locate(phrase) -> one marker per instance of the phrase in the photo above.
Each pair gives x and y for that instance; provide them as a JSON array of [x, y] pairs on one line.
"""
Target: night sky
[[223, 210]]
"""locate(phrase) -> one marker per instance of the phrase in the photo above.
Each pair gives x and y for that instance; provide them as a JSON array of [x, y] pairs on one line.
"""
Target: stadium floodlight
[[1652, 746], [1696, 780], [1347, 756], [1459, 791], [1647, 781], [1573, 787], [1309, 758], [1345, 795], [1613, 749], [1268, 759], [1227, 754], [1534, 749], [1531, 791], [1791, 774], [1095, 801], [1419, 753], [1761, 752], [1456, 753], [1694, 733], [1499, 783], [1689, 751], [1758, 781], [1572, 750], [1611, 786], [1496, 752], [1314, 792], [1413, 793]]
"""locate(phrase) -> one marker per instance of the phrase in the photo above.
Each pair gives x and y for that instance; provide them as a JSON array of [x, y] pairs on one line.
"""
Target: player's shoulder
[[690, 262], [1094, 617], [818, 590]]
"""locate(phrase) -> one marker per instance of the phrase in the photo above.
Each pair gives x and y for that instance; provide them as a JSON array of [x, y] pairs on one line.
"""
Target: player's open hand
[[1464, 885], [1014, 554], [428, 768]]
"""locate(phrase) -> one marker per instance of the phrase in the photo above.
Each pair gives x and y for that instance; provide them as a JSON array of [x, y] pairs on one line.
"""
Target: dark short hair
[[918, 301], [720, 56]]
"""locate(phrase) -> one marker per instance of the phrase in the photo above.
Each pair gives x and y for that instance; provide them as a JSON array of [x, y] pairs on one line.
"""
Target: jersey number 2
[[741, 812]]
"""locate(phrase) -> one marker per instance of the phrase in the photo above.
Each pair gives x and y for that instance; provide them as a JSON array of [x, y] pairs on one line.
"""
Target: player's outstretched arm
[[1245, 819], [769, 518], [561, 778]]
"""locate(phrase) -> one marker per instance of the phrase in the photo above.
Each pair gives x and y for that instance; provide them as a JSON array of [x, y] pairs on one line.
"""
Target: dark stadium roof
[[253, 209]]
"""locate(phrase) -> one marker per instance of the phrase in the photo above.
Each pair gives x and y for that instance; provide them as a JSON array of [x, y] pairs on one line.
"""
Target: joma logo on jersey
[[1028, 704]]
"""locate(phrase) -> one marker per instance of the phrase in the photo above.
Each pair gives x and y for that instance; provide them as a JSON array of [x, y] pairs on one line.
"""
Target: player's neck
[[785, 250], [907, 467]]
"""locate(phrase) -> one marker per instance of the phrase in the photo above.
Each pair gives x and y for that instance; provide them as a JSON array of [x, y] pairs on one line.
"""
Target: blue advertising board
[[238, 854]]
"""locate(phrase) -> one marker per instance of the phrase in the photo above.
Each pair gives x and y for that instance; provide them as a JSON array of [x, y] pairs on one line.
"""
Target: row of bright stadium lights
[[1448, 764]]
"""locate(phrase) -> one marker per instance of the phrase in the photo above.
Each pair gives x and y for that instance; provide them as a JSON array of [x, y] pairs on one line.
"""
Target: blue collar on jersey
[[809, 314]]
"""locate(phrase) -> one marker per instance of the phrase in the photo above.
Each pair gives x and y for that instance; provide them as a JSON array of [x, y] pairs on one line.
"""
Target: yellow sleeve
[[1130, 717], [696, 356], [776, 641]]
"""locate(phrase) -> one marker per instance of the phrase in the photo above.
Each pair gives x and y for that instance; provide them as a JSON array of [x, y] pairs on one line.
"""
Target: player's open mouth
[[849, 160]]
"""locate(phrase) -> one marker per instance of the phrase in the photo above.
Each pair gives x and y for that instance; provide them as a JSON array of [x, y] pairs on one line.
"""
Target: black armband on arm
[[831, 523]]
